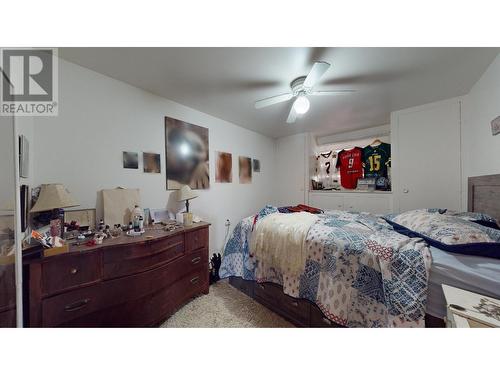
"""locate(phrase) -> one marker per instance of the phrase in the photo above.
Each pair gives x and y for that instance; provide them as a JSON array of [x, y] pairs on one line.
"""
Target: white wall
[[100, 117], [346, 137], [480, 149]]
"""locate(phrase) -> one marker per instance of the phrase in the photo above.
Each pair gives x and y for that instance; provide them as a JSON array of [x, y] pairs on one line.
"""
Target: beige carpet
[[224, 307]]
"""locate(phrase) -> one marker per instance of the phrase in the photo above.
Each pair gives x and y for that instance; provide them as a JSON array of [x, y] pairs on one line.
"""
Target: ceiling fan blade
[[319, 68], [332, 92], [273, 100], [292, 116]]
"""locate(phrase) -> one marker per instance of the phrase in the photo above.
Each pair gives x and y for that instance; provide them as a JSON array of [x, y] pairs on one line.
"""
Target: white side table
[[470, 310]]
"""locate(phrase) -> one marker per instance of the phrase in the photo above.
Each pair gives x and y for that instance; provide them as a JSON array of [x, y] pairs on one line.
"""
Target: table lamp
[[54, 197], [186, 194]]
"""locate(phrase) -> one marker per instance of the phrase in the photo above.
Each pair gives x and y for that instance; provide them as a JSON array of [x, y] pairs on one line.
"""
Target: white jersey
[[325, 167]]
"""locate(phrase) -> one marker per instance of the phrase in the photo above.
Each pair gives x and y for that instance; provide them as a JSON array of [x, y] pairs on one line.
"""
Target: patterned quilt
[[359, 271]]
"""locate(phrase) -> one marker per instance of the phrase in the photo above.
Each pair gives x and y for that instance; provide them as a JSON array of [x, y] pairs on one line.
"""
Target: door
[[428, 157], [291, 169], [7, 225]]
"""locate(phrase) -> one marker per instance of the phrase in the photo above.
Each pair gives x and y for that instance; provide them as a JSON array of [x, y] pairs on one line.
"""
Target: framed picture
[[495, 126], [24, 207], [84, 218], [245, 165], [24, 156], [256, 165], [130, 160], [151, 162], [187, 153], [224, 167]]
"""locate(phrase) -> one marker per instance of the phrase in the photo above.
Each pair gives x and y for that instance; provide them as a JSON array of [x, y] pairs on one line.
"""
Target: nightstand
[[470, 310]]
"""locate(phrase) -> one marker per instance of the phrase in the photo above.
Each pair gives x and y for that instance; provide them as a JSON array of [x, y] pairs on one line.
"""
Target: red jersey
[[351, 167]]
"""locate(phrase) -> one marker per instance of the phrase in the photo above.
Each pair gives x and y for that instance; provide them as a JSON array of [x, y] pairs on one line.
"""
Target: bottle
[[136, 213], [130, 226], [141, 223]]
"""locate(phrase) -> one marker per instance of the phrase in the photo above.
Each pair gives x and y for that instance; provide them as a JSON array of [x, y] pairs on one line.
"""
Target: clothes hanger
[[376, 141]]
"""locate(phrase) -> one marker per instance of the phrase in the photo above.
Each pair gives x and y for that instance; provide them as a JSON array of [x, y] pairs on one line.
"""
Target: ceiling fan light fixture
[[301, 105]]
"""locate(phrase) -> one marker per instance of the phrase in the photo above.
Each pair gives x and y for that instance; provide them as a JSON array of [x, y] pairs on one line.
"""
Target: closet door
[[290, 170], [427, 171]]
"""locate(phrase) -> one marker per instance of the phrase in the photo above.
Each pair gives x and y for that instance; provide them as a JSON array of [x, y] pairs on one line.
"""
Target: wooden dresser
[[7, 295], [125, 282]]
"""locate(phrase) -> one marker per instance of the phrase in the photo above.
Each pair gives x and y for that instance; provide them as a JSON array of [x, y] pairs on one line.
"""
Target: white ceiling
[[225, 82]]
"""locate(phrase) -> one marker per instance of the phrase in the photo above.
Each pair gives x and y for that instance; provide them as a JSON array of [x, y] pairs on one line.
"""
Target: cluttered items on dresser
[[55, 228], [357, 168]]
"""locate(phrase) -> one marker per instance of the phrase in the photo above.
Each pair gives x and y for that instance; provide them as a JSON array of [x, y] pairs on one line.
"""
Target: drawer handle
[[73, 271], [77, 305], [262, 286], [196, 260], [195, 280], [295, 304], [327, 321]]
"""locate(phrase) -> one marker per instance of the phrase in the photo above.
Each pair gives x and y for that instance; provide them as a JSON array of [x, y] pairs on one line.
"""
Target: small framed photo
[[256, 165], [151, 162], [130, 160], [84, 218]]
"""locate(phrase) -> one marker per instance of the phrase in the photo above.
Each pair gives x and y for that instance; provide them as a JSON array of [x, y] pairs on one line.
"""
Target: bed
[[361, 273], [477, 274]]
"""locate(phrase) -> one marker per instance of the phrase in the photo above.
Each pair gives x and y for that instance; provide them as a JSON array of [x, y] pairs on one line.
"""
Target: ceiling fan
[[301, 88]]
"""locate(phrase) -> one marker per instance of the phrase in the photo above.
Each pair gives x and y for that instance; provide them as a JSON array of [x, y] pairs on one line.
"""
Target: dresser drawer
[[7, 286], [72, 305], [8, 318], [131, 259], [196, 258], [197, 239], [192, 284], [70, 308], [65, 272], [167, 243]]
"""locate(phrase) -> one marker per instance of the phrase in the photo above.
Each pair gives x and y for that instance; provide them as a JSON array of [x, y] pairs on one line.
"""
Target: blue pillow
[[448, 232], [476, 217]]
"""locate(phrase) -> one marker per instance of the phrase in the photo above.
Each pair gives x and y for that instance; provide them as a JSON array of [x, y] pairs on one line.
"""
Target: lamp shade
[[53, 196], [185, 193]]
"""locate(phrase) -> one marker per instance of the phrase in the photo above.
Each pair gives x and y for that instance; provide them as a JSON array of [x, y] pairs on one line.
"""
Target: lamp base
[[187, 219]]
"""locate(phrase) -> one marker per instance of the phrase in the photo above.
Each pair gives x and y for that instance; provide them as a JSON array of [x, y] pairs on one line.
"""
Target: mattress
[[476, 274]]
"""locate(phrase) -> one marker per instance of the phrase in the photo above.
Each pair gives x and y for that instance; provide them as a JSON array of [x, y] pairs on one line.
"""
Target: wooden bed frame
[[483, 196]]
